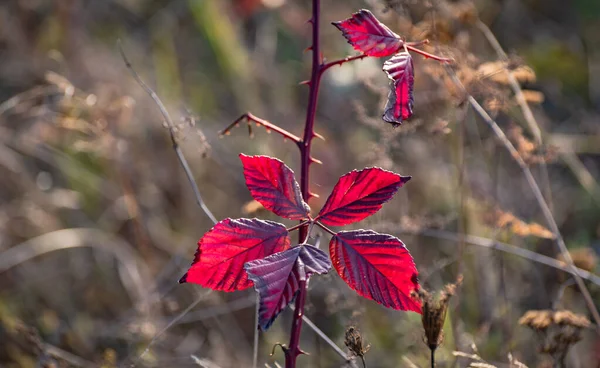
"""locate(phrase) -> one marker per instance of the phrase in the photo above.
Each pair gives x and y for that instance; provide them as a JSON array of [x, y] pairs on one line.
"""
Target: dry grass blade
[[133, 272], [171, 126], [503, 247], [204, 363], [537, 193]]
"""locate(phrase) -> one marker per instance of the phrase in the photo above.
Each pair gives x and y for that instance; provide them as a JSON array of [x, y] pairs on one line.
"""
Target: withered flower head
[[584, 258], [559, 330], [355, 343], [434, 313]]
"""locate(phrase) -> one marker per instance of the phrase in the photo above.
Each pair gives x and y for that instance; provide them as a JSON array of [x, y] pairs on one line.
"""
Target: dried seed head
[[537, 319], [355, 343], [584, 258], [434, 313], [558, 329], [568, 318]]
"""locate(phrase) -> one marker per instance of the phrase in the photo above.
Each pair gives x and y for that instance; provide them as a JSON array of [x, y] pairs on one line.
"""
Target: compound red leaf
[[222, 252], [272, 184], [359, 194], [277, 278], [367, 34], [377, 266], [400, 102]]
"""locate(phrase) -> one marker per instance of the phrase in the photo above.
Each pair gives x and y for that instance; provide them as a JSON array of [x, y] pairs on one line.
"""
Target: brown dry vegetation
[[98, 222]]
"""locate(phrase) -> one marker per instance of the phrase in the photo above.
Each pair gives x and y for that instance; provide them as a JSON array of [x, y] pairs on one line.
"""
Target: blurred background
[[98, 221]]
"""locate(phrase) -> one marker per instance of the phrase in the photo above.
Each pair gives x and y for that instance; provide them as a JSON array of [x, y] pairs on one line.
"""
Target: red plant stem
[[249, 117], [426, 54], [293, 350], [342, 61], [318, 68]]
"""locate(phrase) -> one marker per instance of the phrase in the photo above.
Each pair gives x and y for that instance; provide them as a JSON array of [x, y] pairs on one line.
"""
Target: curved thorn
[[283, 347], [314, 160], [305, 83], [317, 135]]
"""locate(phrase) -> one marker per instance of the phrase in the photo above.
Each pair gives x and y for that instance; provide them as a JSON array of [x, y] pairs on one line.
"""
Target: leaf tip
[[183, 279]]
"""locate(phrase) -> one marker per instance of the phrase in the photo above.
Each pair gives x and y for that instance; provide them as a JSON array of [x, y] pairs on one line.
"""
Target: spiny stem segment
[[304, 144], [412, 46], [250, 118], [409, 46], [305, 160], [345, 60]]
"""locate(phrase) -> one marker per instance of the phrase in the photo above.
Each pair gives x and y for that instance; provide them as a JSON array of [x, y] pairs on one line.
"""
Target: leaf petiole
[[296, 227], [325, 228]]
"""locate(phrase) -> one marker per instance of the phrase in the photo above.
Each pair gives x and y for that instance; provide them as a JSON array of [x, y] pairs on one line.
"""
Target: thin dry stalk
[[496, 245], [537, 193], [202, 204]]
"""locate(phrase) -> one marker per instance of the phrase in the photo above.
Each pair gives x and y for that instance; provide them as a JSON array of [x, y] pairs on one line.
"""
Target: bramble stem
[[249, 117], [305, 160], [345, 60], [426, 54]]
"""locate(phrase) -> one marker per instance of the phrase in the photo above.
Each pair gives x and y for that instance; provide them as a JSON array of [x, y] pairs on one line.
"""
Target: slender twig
[[66, 356], [250, 118], [537, 193], [193, 184], [570, 158], [427, 55], [496, 245], [347, 59], [171, 128], [169, 325], [324, 336], [134, 273], [432, 358], [534, 127]]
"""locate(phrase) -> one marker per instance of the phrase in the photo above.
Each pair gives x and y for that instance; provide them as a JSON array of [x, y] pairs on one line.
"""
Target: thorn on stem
[[314, 160], [305, 83], [317, 135], [283, 347]]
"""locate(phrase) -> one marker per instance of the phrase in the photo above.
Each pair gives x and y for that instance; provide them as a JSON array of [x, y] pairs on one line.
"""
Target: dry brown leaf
[[533, 97], [252, 207]]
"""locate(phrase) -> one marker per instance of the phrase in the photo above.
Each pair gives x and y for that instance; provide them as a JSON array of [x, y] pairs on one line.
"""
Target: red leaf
[[367, 34], [359, 194], [277, 278], [377, 266], [400, 102], [222, 252], [272, 184]]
